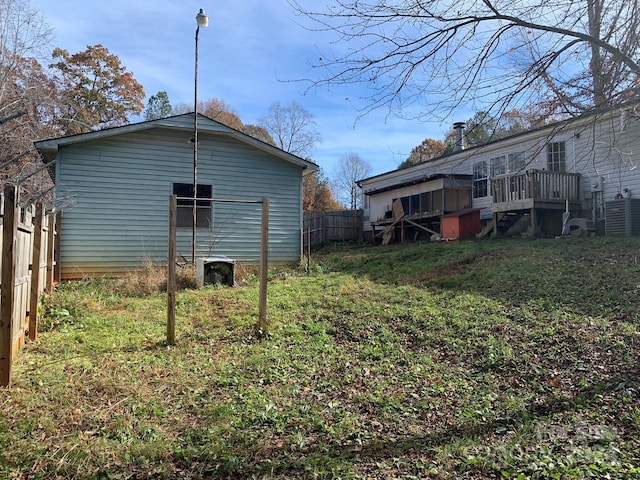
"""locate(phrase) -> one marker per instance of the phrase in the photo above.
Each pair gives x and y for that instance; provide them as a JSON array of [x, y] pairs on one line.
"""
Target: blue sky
[[252, 54]]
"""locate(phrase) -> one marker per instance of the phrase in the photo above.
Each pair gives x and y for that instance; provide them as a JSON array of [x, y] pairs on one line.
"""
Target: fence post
[[34, 294], [264, 269], [8, 280], [51, 257], [171, 273], [57, 235], [323, 231], [309, 246]]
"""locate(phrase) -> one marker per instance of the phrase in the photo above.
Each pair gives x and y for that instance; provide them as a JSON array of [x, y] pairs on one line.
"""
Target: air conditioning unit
[[215, 270], [622, 216]]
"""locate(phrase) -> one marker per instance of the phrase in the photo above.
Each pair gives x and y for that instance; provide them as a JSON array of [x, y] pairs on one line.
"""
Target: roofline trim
[[52, 146]]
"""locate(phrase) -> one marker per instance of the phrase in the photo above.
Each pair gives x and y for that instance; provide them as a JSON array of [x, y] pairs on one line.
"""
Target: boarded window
[[184, 191]]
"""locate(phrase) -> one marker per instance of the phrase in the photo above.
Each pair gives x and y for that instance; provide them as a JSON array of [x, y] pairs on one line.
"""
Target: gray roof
[[49, 148]]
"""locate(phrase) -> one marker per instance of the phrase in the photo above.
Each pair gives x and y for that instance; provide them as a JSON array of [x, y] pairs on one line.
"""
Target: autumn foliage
[[317, 194], [427, 150], [96, 91]]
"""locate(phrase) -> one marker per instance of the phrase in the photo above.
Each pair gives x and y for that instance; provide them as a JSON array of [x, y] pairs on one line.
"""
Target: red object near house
[[461, 224]]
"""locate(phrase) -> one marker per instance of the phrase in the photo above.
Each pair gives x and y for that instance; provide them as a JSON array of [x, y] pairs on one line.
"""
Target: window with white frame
[[480, 180], [517, 162], [556, 156], [498, 165]]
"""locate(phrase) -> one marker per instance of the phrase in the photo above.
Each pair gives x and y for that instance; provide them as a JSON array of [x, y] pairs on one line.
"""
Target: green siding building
[[114, 187]]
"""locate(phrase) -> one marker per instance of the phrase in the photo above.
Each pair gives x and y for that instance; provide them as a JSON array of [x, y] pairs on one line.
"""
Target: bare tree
[[27, 97], [23, 34], [292, 127], [351, 168], [258, 132], [570, 56], [220, 111]]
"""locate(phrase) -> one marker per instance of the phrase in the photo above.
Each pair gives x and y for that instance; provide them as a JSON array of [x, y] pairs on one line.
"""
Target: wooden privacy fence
[[29, 265], [340, 225]]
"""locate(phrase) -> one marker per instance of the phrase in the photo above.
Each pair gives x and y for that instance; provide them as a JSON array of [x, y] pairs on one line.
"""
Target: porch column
[[534, 221]]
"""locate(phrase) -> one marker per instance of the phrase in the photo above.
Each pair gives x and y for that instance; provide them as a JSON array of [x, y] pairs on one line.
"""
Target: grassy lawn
[[500, 359]]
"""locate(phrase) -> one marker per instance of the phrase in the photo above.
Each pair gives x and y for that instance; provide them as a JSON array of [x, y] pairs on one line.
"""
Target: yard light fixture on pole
[[202, 21]]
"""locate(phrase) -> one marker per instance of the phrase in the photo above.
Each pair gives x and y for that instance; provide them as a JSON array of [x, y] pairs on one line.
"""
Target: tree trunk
[[600, 100]]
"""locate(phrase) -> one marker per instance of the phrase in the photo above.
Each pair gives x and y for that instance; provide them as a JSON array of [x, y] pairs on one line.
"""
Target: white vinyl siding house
[[114, 186], [582, 164]]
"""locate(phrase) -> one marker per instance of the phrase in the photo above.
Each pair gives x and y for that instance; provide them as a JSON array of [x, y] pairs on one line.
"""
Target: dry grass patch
[[152, 278]]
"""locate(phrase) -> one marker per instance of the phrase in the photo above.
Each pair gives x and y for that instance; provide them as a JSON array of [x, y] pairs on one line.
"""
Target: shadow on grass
[[540, 418], [465, 439]]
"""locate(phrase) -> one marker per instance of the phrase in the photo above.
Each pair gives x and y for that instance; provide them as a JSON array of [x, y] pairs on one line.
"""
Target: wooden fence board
[[7, 279], [24, 270], [341, 225], [36, 271], [22, 284]]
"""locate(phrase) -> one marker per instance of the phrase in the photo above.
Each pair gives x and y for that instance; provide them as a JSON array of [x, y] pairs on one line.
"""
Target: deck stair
[[508, 223]]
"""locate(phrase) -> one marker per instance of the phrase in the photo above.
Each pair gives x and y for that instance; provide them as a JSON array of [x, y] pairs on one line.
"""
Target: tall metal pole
[[195, 155], [202, 21]]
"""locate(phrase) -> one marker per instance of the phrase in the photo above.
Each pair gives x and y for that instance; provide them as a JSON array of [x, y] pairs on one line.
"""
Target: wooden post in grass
[[7, 282], [34, 294], [56, 232], [264, 269], [171, 273], [309, 247], [51, 252]]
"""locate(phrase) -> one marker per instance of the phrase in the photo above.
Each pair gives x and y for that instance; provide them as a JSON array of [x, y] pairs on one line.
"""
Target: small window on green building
[[184, 219]]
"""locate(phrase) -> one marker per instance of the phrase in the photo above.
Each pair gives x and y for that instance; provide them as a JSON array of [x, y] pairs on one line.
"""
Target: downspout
[[301, 219], [573, 151]]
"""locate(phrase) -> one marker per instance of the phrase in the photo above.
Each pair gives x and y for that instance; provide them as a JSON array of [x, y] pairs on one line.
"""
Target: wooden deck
[[535, 189], [535, 193]]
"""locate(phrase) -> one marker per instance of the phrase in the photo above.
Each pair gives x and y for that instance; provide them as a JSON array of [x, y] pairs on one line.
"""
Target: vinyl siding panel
[[460, 163], [611, 152], [118, 190], [602, 148]]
